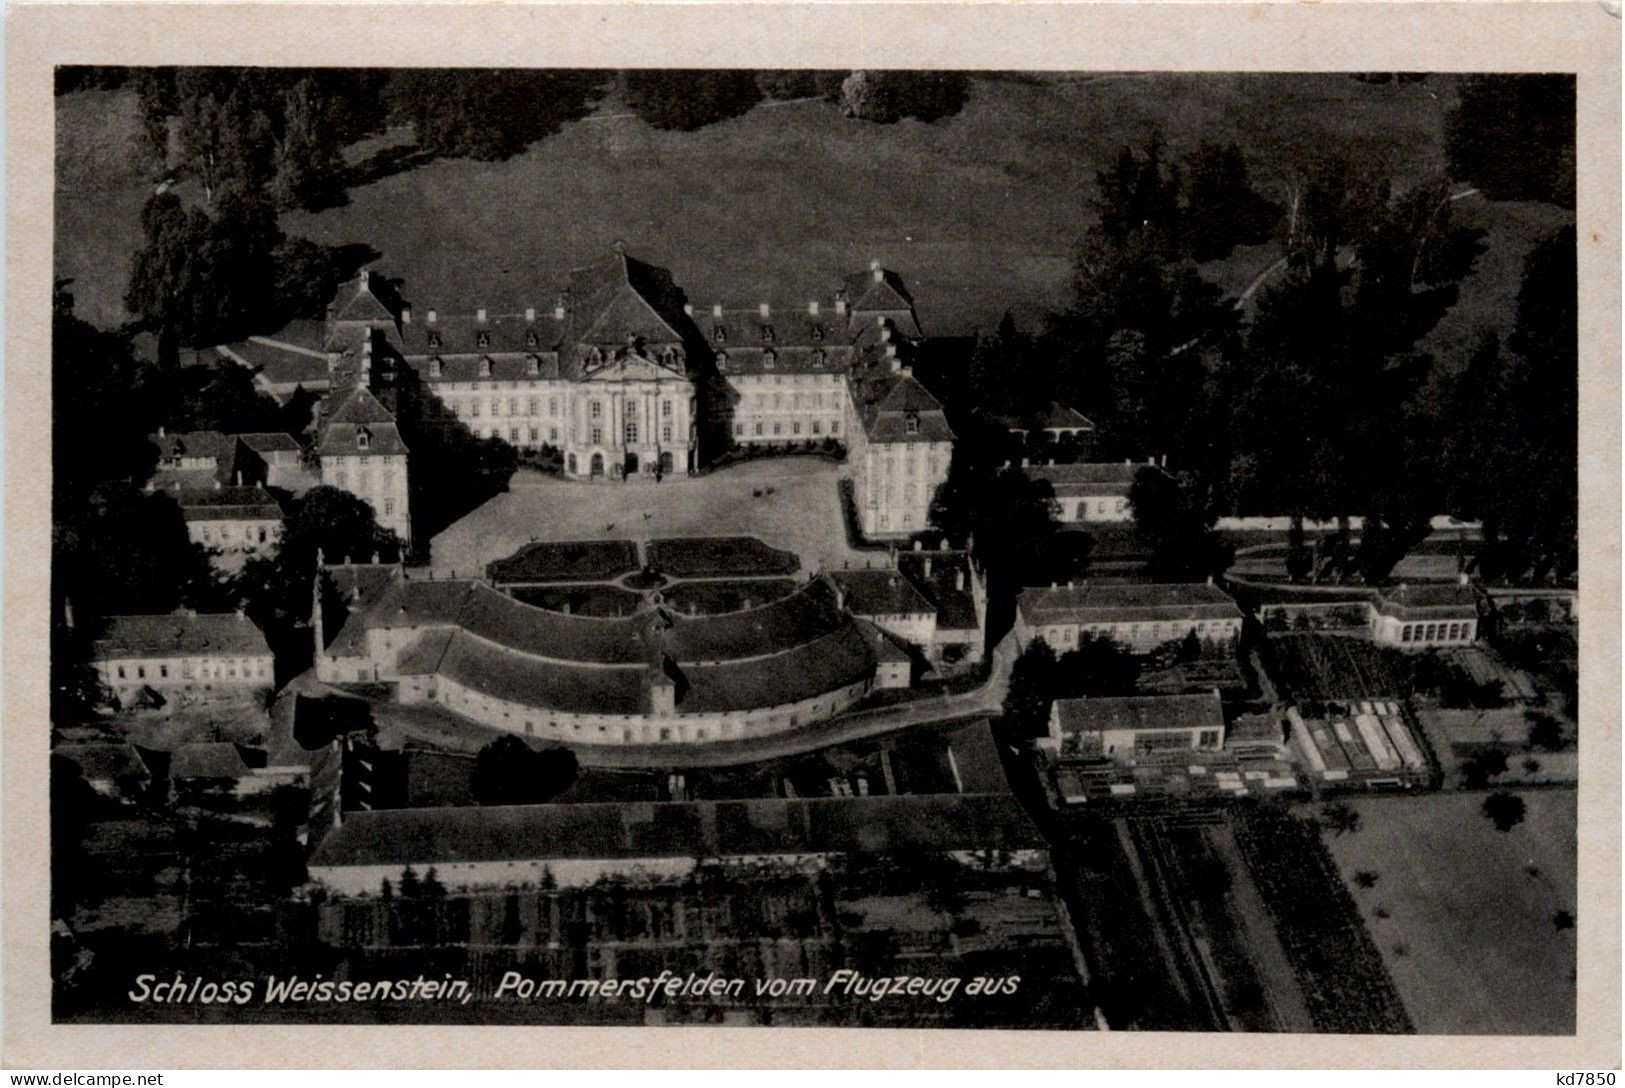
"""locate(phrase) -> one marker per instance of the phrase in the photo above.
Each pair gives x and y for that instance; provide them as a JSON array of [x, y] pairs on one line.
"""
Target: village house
[[232, 522], [181, 652], [1093, 493], [1136, 727], [1418, 617], [1139, 617]]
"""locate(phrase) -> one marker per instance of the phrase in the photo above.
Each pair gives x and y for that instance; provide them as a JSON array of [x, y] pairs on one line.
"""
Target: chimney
[[879, 273], [432, 316], [896, 366], [1024, 462], [406, 315], [891, 351], [928, 566], [67, 613], [375, 559], [1210, 579], [716, 309], [812, 308], [765, 310], [217, 483], [688, 308], [1164, 463], [479, 315], [918, 545], [942, 545], [1152, 461], [1461, 579], [558, 312], [530, 315], [237, 478], [840, 307], [160, 430], [959, 578]]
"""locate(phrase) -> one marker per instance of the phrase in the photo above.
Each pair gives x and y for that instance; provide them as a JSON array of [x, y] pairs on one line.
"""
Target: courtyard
[[792, 503]]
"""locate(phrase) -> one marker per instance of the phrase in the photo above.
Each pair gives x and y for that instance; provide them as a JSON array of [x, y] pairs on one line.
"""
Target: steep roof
[[896, 408], [359, 414], [1452, 601], [1140, 712], [1088, 480], [228, 504], [219, 759], [366, 298], [881, 593], [269, 442], [104, 762], [180, 634], [189, 444], [1134, 603], [956, 607], [765, 826]]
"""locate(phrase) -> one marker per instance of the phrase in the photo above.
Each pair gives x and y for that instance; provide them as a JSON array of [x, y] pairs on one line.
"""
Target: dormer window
[[722, 334], [722, 360], [435, 367], [434, 339], [485, 367], [767, 334], [818, 357], [482, 339], [818, 332], [531, 339], [533, 366], [363, 438], [769, 358], [911, 423]]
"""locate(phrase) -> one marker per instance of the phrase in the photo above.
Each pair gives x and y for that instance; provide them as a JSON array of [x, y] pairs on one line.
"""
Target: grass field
[[979, 211], [1481, 954]]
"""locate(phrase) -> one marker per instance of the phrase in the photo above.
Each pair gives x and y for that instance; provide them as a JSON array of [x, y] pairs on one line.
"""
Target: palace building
[[626, 378]]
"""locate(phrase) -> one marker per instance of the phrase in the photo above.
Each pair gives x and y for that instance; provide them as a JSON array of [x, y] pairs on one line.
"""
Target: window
[[552, 406], [534, 436], [363, 438], [817, 427], [513, 434], [485, 364], [595, 409], [795, 427], [1455, 631], [778, 428], [834, 426], [482, 339], [553, 435], [911, 425], [389, 508], [665, 409], [476, 412], [739, 430], [496, 407], [121, 672], [767, 334], [631, 430], [141, 672], [665, 433], [597, 435], [758, 430]]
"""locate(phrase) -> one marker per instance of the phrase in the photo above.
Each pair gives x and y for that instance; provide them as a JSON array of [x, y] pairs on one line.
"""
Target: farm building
[[1134, 727], [1140, 617]]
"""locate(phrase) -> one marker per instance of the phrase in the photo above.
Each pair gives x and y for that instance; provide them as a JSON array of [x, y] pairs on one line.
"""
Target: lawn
[[1463, 913], [567, 561], [978, 211], [710, 598], [719, 556], [801, 516]]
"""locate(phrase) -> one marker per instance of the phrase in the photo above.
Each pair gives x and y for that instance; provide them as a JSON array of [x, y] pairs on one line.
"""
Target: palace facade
[[626, 379]]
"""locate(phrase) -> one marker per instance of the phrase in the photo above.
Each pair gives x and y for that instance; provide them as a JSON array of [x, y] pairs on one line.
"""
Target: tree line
[[1317, 399]]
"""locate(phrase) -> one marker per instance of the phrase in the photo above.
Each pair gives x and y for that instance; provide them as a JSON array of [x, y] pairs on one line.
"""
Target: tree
[[510, 772], [309, 157], [672, 98], [1513, 137], [1545, 731], [1031, 691], [1342, 818], [1221, 209], [1504, 810], [1097, 667], [1176, 523], [1483, 765], [487, 113], [887, 97]]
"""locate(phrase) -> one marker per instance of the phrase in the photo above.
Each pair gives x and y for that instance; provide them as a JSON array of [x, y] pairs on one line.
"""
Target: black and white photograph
[[1091, 551]]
